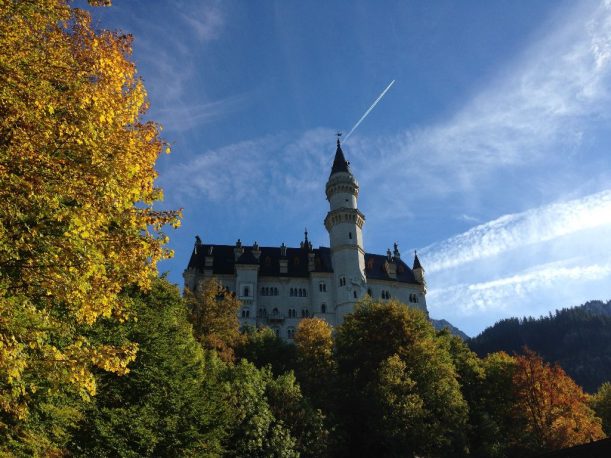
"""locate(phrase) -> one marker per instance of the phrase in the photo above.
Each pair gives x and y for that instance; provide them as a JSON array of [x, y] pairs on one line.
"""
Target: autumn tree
[[77, 190], [601, 403], [315, 365], [551, 406], [214, 314], [401, 396]]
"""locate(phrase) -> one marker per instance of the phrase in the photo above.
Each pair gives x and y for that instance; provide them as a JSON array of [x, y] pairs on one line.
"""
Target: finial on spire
[[338, 134]]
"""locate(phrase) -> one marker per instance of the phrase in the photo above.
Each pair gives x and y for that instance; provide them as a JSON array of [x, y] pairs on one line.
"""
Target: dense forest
[[577, 338], [102, 357]]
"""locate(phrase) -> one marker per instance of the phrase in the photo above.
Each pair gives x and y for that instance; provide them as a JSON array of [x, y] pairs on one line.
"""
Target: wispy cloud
[[537, 108], [205, 19], [508, 292], [275, 169], [521, 229], [185, 116]]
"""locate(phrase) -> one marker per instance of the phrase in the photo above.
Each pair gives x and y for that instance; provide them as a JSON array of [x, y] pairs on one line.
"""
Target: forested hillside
[[577, 338]]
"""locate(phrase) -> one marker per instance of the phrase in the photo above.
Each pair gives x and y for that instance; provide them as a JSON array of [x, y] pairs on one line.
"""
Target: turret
[[419, 271], [344, 222]]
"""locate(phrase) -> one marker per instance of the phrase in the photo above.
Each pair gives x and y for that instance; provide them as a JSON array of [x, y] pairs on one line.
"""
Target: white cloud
[[518, 230], [205, 19], [537, 108], [506, 293], [275, 170]]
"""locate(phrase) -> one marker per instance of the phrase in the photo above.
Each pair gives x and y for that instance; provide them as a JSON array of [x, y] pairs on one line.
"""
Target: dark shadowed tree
[[172, 401], [401, 393], [601, 403]]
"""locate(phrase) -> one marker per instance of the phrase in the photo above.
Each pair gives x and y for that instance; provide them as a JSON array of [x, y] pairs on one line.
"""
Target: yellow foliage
[[77, 188]]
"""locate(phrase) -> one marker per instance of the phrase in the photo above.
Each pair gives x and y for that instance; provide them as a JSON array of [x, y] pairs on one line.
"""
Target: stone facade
[[278, 286]]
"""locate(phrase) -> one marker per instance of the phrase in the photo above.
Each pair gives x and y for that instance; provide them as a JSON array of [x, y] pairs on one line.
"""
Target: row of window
[[413, 298], [385, 294], [299, 292], [269, 291], [292, 313], [322, 287]]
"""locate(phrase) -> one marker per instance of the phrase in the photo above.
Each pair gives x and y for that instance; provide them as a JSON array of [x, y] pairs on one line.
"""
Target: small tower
[[419, 271], [344, 222]]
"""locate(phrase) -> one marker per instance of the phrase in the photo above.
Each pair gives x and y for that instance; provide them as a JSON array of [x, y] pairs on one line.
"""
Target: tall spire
[[417, 264], [340, 164]]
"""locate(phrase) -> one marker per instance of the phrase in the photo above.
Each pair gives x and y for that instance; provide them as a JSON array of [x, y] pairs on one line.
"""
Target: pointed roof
[[340, 164], [416, 262]]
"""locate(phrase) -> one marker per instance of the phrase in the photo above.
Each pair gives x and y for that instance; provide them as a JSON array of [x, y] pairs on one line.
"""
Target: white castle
[[278, 286]]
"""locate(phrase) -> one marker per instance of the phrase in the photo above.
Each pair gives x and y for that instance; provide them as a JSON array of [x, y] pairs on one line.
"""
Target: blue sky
[[490, 154]]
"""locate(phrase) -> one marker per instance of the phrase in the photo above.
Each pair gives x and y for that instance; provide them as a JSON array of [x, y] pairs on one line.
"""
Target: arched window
[[290, 333], [300, 292], [275, 291], [350, 235], [246, 291], [354, 294], [275, 312], [292, 293], [305, 292], [323, 308], [369, 292]]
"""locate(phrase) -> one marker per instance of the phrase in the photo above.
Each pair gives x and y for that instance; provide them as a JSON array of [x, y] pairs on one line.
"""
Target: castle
[[278, 286]]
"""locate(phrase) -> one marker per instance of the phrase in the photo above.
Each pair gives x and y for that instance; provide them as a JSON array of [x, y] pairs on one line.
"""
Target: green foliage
[[601, 403], [263, 347], [172, 398], [578, 338], [270, 416], [389, 354]]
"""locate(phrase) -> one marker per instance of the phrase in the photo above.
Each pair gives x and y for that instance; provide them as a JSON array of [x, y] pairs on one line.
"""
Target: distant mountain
[[442, 324], [577, 338]]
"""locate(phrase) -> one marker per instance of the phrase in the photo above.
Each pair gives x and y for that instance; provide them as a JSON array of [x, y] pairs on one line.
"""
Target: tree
[[482, 433], [172, 401], [263, 347], [551, 406], [76, 220], [315, 365], [601, 403], [389, 355], [270, 416], [214, 314]]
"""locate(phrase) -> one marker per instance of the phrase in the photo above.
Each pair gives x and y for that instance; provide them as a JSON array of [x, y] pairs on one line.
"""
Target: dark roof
[[269, 262], [340, 164], [247, 258], [416, 262], [375, 270]]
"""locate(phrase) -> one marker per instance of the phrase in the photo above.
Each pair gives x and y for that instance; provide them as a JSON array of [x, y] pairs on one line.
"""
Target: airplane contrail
[[368, 110]]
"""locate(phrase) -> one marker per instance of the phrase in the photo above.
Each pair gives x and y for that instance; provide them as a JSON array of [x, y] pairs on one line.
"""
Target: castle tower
[[344, 222]]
